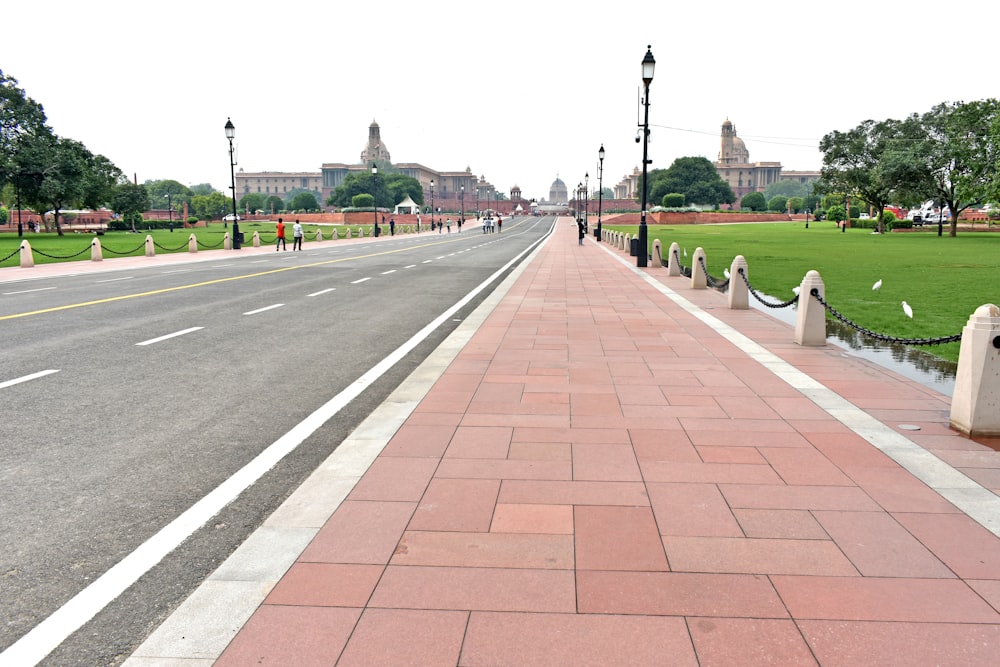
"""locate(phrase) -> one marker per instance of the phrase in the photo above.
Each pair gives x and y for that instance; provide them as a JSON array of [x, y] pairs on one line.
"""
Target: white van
[[920, 215]]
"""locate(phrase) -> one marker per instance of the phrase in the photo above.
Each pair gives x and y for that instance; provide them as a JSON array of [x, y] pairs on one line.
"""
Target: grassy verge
[[943, 279]]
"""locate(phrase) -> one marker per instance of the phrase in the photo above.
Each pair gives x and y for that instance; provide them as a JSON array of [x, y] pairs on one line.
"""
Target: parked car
[[864, 216], [232, 218]]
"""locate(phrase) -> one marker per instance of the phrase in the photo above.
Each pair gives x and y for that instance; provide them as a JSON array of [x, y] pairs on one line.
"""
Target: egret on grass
[[685, 252], [796, 290], [908, 310], [877, 286], [725, 272]]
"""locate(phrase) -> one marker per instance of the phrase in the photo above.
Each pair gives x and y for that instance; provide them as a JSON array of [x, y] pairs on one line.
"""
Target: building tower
[[375, 151], [733, 150]]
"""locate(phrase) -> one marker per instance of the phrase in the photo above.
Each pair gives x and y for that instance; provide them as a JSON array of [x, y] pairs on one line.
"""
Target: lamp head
[[600, 153], [230, 129], [648, 65]]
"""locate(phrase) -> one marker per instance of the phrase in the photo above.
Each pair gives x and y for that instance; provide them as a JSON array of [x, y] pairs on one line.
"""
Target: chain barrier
[[165, 249], [712, 282], [10, 255], [128, 252], [757, 296], [44, 254], [883, 337], [685, 271], [209, 246]]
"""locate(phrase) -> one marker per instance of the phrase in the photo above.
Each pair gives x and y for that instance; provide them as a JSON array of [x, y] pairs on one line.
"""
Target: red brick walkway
[[601, 478]]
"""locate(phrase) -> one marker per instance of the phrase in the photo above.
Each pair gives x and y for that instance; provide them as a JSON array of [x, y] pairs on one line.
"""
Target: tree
[[254, 201], [753, 201], [20, 119], [695, 178], [304, 201], [866, 162], [179, 193], [274, 204], [962, 154], [796, 204], [362, 200], [778, 203], [391, 189], [787, 189], [130, 201], [212, 205]]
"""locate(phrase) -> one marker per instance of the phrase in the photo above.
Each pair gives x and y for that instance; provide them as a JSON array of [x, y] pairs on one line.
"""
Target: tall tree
[[695, 178], [20, 118], [865, 162], [962, 152], [130, 201]]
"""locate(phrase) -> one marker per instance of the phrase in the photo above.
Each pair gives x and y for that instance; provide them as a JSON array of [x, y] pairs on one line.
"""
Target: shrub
[[673, 200]]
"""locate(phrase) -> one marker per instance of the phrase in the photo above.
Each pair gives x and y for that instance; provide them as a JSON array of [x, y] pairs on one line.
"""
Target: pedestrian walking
[[280, 231], [499, 224], [392, 226], [418, 223], [296, 236], [460, 221], [449, 225], [580, 230]]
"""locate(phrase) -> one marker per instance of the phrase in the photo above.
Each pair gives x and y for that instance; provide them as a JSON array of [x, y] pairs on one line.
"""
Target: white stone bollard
[[698, 278], [336, 234], [193, 243], [256, 239], [319, 235], [227, 242], [348, 233], [150, 246], [739, 293], [975, 403], [810, 327], [674, 260], [27, 259], [95, 251], [657, 253]]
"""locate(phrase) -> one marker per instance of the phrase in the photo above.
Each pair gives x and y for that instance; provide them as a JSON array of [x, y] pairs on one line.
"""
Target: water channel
[[911, 362]]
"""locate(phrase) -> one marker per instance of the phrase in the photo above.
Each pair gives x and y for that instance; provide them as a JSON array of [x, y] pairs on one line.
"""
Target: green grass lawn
[[943, 279], [49, 247]]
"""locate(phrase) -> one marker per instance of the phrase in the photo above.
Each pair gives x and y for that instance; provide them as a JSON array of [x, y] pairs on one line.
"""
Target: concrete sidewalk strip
[[597, 469]]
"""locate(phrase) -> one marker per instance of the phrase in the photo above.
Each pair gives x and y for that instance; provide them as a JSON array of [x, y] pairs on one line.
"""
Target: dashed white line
[[170, 335], [114, 280], [265, 308], [33, 376], [323, 291], [25, 291], [409, 266], [427, 261], [359, 280], [385, 273]]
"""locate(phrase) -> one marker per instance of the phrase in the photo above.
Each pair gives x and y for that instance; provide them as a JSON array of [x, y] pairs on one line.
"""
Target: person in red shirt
[[281, 236]]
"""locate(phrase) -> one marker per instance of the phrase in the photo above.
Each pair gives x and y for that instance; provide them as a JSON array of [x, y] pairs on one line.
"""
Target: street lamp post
[[461, 197], [432, 204], [170, 211], [231, 134], [586, 200], [648, 64], [375, 198], [600, 188]]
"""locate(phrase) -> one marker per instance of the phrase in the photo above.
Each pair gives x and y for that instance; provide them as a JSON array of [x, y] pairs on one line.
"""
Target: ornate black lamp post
[[461, 197], [600, 188], [432, 204], [231, 134], [586, 201], [648, 64], [170, 211]]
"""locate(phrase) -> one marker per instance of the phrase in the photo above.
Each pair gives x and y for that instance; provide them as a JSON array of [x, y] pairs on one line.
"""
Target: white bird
[[796, 290], [685, 252], [877, 286], [726, 273], [908, 310]]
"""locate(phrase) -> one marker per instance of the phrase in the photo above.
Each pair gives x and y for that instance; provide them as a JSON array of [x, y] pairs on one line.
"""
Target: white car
[[232, 218]]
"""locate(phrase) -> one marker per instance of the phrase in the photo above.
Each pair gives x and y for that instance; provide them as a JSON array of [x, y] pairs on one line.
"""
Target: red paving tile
[[600, 479]]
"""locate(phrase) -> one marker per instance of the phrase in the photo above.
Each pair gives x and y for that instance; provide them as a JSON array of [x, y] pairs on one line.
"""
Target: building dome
[[558, 194]]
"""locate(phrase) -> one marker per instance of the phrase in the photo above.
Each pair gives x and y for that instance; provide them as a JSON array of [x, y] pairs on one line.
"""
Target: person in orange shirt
[[281, 236]]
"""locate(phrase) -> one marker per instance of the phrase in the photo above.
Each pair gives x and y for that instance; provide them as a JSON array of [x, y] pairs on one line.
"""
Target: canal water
[[911, 362]]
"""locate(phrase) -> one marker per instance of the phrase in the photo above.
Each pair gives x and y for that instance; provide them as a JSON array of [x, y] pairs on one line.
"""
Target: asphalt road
[[162, 383]]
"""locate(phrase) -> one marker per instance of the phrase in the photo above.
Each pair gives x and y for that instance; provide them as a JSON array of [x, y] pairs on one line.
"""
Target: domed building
[[558, 194], [735, 168]]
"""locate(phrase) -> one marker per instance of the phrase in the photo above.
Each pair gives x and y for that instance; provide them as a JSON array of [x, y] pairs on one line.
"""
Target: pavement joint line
[[977, 502], [207, 621]]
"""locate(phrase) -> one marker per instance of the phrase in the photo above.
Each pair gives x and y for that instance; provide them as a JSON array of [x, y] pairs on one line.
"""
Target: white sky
[[519, 91]]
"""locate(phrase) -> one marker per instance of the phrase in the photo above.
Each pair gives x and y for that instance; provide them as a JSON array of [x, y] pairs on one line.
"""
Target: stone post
[[698, 278], [193, 243], [674, 260], [256, 239], [739, 293], [95, 251], [150, 246], [319, 235], [227, 242], [657, 253], [27, 259], [810, 328], [975, 403]]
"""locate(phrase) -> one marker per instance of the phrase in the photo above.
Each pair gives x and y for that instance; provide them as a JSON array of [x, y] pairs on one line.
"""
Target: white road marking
[[359, 280], [323, 291], [409, 266], [114, 280], [25, 291], [385, 273], [33, 376], [170, 335], [265, 308]]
